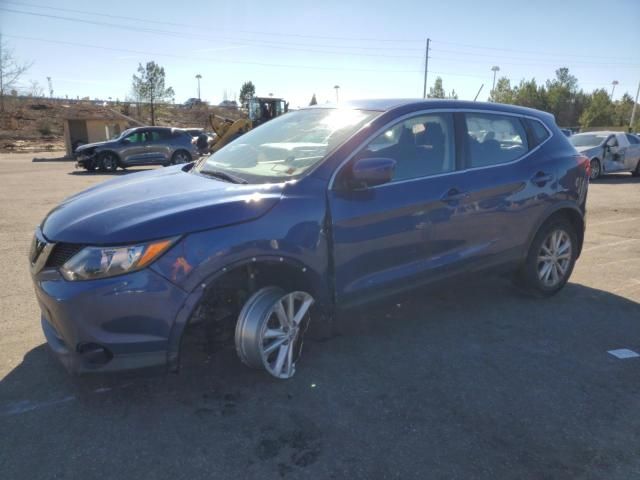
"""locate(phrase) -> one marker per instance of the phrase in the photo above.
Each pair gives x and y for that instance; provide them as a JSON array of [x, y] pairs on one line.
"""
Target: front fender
[[195, 296]]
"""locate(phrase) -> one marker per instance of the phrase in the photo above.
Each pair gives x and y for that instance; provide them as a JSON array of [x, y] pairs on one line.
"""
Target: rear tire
[[596, 169], [551, 258], [180, 157]]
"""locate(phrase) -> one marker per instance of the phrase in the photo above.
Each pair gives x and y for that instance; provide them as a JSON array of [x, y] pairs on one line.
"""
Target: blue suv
[[319, 208]]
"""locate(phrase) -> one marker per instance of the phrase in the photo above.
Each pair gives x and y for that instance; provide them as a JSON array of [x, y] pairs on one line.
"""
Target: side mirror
[[369, 172]]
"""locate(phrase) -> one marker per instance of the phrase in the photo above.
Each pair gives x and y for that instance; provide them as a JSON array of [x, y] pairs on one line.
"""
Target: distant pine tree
[[313, 100]]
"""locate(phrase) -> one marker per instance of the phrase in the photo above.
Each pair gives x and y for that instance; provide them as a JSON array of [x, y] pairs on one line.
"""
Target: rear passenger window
[[421, 146], [494, 139]]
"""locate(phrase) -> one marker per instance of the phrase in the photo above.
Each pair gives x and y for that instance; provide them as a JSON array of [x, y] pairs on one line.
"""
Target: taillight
[[586, 163]]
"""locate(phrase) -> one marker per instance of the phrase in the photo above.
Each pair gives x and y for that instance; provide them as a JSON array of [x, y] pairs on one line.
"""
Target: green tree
[[599, 112], [247, 91], [529, 94], [313, 100], [437, 91], [453, 95], [560, 96], [149, 85], [622, 110], [10, 71], [503, 93]]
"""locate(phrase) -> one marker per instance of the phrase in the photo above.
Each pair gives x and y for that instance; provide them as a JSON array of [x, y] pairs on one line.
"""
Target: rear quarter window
[[538, 131]]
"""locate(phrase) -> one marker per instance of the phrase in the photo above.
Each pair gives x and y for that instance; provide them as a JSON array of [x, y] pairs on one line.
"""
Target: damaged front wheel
[[270, 329]]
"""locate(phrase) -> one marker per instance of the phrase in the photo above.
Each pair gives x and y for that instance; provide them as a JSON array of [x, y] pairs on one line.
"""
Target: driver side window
[[421, 146]]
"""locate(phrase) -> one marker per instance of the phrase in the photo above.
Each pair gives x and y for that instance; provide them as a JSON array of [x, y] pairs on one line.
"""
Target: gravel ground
[[466, 380]]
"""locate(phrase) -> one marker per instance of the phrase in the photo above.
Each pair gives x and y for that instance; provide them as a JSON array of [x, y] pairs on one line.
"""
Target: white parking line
[[623, 353], [612, 244], [620, 220]]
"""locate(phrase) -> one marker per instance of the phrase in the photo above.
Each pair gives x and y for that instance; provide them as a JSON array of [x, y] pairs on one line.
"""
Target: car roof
[[388, 104]]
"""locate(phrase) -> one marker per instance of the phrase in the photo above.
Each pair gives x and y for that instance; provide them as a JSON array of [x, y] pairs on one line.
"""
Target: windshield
[[284, 148], [587, 139]]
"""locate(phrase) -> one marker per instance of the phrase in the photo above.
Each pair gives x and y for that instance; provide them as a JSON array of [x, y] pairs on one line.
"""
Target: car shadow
[[617, 178], [471, 374], [494, 304], [98, 173]]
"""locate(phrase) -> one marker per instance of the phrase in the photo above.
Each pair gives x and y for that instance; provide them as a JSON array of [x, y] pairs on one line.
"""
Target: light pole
[[613, 87], [495, 69], [337, 87], [198, 76]]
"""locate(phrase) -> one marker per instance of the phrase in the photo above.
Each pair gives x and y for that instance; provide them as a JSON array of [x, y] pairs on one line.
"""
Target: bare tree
[[10, 71], [149, 85], [35, 89]]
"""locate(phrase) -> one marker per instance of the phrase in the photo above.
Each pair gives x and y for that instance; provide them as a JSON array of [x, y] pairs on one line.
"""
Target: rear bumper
[[121, 323]]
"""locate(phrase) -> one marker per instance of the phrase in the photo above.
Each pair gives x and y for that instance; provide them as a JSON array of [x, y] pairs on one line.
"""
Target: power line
[[138, 19], [479, 47]]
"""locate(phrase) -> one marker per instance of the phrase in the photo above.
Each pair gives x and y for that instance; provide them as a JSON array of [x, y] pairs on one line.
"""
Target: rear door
[[632, 157], [506, 185], [158, 146], [389, 235]]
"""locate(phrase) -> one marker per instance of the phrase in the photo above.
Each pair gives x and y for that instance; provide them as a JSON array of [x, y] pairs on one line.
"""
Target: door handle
[[541, 178], [454, 194]]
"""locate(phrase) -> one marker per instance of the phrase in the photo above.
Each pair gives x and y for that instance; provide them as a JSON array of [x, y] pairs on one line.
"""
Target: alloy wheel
[[554, 258], [270, 330], [595, 169]]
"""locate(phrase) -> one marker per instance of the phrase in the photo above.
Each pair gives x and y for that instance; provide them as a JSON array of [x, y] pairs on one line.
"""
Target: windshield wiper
[[227, 177]]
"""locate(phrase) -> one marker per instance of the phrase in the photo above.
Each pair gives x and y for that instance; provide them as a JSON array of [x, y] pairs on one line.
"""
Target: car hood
[[89, 146], [159, 203]]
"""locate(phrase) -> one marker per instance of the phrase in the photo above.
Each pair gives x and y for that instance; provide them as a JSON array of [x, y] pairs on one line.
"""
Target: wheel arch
[[251, 273], [567, 210]]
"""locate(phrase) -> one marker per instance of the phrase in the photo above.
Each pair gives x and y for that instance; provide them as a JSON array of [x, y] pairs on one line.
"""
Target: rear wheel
[[180, 157], [551, 259], [270, 330], [596, 169], [108, 162]]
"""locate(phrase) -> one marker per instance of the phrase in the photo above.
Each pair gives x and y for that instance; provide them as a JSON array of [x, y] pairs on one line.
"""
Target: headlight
[[100, 262]]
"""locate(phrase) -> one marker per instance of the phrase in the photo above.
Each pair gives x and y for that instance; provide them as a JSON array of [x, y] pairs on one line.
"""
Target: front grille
[[61, 253]]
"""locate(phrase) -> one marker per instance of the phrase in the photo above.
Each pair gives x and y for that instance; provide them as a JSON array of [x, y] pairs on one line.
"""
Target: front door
[[614, 153], [133, 149], [388, 235]]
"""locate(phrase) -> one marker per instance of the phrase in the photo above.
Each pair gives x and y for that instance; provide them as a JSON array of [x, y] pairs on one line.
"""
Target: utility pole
[[426, 69], [198, 76], [50, 87], [613, 87], [633, 112], [337, 87], [495, 69]]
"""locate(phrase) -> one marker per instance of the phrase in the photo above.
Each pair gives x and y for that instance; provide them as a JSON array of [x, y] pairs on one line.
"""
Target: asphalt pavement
[[469, 379]]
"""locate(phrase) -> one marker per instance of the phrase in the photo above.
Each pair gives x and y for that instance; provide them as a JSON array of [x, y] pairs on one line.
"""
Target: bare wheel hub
[[270, 329]]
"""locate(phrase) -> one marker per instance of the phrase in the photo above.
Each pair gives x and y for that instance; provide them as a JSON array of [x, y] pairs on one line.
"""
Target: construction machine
[[261, 110]]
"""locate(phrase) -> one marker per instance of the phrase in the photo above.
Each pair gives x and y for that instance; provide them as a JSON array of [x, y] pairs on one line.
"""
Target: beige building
[[91, 125]]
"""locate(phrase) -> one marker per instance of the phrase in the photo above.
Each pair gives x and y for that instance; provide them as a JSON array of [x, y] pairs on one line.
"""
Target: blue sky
[[293, 49]]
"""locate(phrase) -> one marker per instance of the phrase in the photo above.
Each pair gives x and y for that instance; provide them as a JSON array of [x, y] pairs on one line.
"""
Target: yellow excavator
[[261, 110]]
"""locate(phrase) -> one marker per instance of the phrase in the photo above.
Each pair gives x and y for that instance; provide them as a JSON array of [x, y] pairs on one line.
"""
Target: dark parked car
[[319, 208], [138, 146]]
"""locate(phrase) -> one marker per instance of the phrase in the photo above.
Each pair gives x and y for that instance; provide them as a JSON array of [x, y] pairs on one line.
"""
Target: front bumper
[[111, 324]]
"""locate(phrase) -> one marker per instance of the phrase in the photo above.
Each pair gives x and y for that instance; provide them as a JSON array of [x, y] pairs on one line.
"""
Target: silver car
[[609, 152], [138, 146]]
